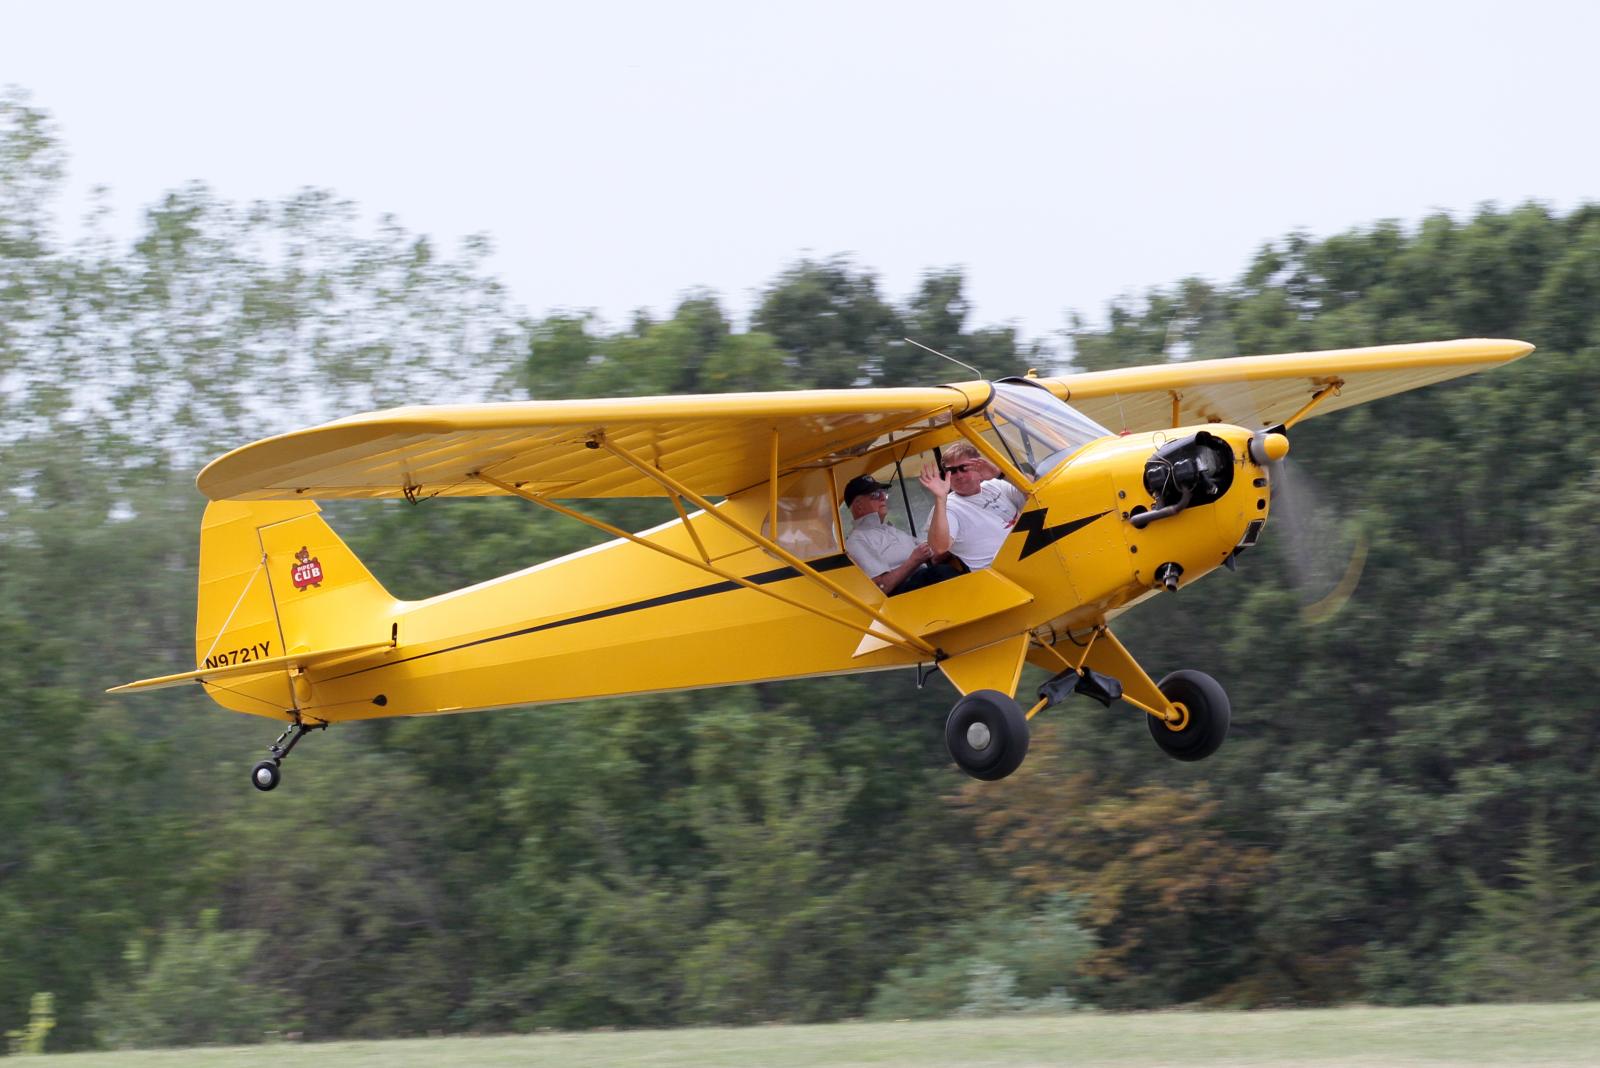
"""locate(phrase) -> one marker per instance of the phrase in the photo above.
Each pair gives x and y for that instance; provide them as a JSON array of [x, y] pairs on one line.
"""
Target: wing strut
[[694, 535], [1103, 652], [913, 644], [1332, 387]]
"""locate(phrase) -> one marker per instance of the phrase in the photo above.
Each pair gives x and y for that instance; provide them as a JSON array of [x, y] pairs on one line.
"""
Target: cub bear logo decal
[[307, 570]]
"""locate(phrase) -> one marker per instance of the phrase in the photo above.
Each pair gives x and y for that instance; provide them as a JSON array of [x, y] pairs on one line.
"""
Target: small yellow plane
[[1138, 481]]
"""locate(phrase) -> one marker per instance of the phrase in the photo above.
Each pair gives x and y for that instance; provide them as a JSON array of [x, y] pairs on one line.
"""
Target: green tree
[[1008, 960], [1534, 939], [1400, 738], [29, 1041], [123, 368], [198, 987], [796, 850], [831, 322]]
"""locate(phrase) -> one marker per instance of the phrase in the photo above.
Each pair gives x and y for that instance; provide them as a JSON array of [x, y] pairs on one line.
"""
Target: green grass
[[1548, 1035]]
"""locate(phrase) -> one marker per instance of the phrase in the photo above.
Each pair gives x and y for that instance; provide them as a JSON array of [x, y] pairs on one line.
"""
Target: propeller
[[1323, 554]]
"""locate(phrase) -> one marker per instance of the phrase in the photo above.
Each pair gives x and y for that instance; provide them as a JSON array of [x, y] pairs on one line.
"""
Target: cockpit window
[[1037, 429], [806, 524]]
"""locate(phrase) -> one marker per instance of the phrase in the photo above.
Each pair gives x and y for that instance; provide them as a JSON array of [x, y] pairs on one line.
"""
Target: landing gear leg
[[1188, 711], [266, 775]]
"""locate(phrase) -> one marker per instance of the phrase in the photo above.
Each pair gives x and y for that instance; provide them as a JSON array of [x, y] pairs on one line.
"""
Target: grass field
[[1548, 1035]]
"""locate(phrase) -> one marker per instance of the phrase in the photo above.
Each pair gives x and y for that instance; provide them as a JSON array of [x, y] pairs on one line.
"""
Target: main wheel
[[1205, 723], [265, 775], [987, 734]]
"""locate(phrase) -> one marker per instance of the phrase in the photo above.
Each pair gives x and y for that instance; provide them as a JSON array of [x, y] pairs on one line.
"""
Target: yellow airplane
[[1137, 482]]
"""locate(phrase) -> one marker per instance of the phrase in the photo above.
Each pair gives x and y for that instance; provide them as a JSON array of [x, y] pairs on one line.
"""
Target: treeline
[[1405, 811]]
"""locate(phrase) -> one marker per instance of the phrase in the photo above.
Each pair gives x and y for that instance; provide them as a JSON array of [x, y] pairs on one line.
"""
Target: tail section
[[275, 581]]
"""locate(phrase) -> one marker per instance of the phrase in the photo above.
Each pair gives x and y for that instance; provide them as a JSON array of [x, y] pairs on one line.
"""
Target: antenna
[[952, 359]]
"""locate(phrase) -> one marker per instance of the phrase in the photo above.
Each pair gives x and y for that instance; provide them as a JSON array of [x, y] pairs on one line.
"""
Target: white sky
[[619, 154]]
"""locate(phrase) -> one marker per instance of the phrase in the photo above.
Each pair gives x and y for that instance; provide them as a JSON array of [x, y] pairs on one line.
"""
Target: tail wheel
[[1206, 714], [987, 734], [265, 775]]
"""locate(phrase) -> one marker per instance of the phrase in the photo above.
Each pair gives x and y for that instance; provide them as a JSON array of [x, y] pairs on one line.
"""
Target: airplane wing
[[719, 444], [1263, 391], [715, 444]]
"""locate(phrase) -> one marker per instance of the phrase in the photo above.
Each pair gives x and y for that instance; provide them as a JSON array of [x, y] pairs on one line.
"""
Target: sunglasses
[[956, 469]]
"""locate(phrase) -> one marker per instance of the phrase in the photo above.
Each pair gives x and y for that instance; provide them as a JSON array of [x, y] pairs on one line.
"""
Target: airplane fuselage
[[621, 618]]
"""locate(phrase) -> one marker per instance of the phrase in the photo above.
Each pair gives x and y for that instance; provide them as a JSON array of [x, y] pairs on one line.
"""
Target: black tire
[[265, 775], [997, 749], [1209, 715]]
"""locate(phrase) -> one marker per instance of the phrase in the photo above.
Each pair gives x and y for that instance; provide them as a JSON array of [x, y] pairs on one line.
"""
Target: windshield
[[1036, 428]]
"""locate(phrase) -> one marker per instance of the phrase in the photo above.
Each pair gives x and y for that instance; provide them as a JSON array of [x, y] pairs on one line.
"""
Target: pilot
[[973, 507], [896, 562]]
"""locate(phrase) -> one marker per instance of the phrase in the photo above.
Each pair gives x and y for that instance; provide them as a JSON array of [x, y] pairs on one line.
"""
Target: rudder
[[274, 580]]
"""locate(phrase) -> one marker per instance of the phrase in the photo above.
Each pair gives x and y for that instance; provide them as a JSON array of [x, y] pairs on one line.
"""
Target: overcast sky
[[619, 154]]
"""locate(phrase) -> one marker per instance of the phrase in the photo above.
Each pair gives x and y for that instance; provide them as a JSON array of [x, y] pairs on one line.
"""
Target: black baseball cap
[[859, 485]]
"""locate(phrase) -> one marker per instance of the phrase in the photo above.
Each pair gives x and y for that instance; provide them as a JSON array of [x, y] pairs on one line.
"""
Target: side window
[[806, 525]]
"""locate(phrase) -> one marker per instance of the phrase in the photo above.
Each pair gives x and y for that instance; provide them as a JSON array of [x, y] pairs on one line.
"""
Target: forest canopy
[[1407, 810]]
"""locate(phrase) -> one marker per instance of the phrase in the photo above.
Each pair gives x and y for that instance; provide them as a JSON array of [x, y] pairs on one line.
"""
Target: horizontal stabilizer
[[291, 662]]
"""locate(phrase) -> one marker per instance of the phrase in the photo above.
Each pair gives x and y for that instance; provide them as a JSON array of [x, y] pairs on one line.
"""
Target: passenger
[[895, 561], [973, 507]]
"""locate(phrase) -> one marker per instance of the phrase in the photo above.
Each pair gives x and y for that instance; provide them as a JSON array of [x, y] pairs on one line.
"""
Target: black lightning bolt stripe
[[828, 563], [1041, 536]]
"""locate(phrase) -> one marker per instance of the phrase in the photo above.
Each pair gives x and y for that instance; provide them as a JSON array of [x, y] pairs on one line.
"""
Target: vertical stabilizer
[[276, 580]]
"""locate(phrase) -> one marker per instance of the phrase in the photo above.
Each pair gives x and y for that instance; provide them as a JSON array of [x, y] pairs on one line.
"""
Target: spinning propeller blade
[[1325, 555]]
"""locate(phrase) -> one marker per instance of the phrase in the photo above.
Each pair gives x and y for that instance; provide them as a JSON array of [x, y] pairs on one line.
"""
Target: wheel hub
[[1183, 717], [979, 737]]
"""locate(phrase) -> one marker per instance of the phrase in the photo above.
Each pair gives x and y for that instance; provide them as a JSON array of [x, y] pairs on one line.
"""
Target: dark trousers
[[925, 575]]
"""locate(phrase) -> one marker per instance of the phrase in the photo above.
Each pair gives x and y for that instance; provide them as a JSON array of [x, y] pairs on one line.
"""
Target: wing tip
[[158, 683], [1519, 349]]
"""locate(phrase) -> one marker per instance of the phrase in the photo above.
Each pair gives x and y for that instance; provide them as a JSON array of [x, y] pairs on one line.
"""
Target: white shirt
[[877, 547], [979, 524]]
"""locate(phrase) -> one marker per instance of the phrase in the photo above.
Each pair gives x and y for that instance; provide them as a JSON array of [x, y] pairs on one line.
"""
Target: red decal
[[307, 570]]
